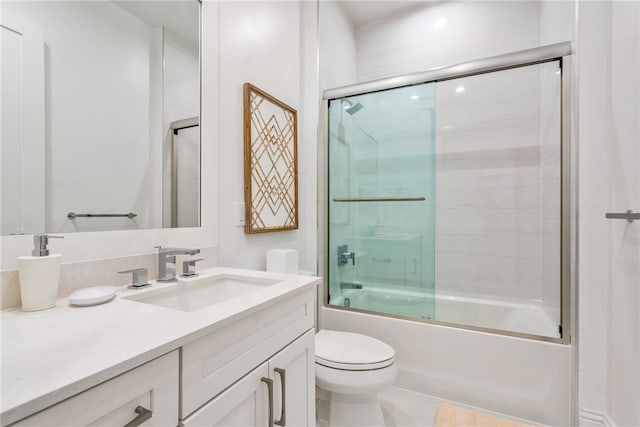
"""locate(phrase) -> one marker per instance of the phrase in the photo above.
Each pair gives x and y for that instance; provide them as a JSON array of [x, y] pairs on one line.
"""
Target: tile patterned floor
[[401, 408]]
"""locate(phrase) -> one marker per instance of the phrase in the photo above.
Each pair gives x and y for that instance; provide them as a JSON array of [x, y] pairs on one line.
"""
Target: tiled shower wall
[[497, 180], [476, 176]]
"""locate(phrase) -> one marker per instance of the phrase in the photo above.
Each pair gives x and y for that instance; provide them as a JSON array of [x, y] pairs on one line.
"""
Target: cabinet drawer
[[213, 363], [154, 386]]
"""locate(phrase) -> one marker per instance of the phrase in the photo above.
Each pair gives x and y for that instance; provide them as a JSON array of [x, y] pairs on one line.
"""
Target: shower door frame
[[562, 52]]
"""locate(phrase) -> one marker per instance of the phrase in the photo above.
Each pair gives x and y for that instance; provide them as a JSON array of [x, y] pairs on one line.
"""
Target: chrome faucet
[[167, 262]]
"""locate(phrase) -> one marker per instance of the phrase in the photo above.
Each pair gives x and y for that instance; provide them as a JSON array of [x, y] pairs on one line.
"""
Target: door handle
[[269, 383], [283, 385]]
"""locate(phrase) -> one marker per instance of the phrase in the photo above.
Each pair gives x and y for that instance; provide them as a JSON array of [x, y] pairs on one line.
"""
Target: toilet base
[[348, 410]]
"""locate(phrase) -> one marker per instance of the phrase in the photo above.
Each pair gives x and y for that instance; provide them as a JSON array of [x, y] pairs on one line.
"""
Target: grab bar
[[628, 215], [380, 199], [73, 215]]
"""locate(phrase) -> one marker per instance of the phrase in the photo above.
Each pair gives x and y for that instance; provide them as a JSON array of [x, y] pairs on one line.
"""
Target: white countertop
[[50, 355]]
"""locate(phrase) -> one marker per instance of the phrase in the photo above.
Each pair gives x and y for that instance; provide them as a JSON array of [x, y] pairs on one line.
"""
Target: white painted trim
[[593, 416]]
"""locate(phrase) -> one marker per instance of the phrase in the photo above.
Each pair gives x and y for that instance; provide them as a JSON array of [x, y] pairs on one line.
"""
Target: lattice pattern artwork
[[270, 163]]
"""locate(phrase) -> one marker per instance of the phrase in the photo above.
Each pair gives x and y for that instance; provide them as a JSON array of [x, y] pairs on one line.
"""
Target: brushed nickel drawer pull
[[283, 384], [269, 383], [143, 415]]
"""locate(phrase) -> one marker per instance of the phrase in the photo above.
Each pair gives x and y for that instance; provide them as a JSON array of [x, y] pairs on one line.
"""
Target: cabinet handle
[[269, 383], [283, 384], [143, 415]]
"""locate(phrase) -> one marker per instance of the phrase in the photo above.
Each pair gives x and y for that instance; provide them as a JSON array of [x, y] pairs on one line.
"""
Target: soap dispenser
[[39, 275]]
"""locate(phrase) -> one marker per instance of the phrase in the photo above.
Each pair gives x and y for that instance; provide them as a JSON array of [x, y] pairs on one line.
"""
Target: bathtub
[[521, 377], [527, 318]]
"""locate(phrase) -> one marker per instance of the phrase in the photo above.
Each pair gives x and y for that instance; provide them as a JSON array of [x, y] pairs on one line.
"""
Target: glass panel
[[498, 200], [381, 201], [484, 247]]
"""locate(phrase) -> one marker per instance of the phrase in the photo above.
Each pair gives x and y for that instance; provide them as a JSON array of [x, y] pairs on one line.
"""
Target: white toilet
[[350, 371]]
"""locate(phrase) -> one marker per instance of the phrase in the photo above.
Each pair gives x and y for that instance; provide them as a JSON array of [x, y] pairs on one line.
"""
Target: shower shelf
[[380, 199]]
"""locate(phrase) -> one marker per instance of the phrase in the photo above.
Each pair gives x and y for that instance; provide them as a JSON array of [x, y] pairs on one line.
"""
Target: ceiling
[[366, 11]]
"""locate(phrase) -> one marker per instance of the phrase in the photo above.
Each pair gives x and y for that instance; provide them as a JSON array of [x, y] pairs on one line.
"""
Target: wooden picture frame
[[270, 163]]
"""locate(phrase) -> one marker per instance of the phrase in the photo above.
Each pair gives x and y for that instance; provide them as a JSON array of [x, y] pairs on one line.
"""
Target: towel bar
[[628, 215], [73, 215], [380, 199]]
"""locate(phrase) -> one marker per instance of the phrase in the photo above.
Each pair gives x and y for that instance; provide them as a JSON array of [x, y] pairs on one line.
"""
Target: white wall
[[266, 44], [609, 155], [557, 21], [337, 49], [412, 41]]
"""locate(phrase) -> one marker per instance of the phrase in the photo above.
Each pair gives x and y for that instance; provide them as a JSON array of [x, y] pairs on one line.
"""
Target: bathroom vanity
[[244, 360]]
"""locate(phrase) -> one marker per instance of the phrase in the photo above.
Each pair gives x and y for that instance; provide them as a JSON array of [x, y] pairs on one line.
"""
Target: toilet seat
[[352, 352]]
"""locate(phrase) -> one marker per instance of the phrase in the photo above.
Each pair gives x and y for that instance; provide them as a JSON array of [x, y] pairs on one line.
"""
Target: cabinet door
[[243, 404], [152, 387], [295, 363]]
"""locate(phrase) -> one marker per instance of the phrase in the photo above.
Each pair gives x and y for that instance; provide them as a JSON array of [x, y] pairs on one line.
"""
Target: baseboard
[[591, 417]]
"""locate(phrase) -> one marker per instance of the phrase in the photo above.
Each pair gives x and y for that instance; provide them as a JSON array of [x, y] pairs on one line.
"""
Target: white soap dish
[[92, 296]]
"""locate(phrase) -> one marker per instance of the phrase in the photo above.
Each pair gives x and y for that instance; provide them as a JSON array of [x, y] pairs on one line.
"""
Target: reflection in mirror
[[100, 117]]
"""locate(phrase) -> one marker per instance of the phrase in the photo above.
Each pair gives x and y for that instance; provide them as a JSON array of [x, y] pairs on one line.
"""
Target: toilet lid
[[353, 352]]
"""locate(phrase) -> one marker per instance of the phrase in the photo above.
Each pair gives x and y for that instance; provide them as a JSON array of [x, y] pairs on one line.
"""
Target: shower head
[[352, 108]]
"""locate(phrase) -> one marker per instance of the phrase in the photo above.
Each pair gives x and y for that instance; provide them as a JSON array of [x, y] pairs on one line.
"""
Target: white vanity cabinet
[[248, 362], [233, 376], [146, 395]]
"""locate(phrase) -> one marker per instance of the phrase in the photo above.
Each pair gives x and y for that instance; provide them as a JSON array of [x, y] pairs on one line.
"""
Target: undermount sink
[[197, 294]]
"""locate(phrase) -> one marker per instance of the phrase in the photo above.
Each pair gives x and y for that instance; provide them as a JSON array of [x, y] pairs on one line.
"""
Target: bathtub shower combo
[[447, 195]]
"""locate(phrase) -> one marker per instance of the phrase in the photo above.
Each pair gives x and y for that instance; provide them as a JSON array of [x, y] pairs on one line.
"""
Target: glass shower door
[[382, 201]]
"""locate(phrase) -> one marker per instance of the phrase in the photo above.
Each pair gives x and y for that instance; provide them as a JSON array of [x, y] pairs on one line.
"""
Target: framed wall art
[[270, 163]]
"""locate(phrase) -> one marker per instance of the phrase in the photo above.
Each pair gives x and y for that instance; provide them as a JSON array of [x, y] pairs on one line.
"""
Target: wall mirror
[[100, 119]]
